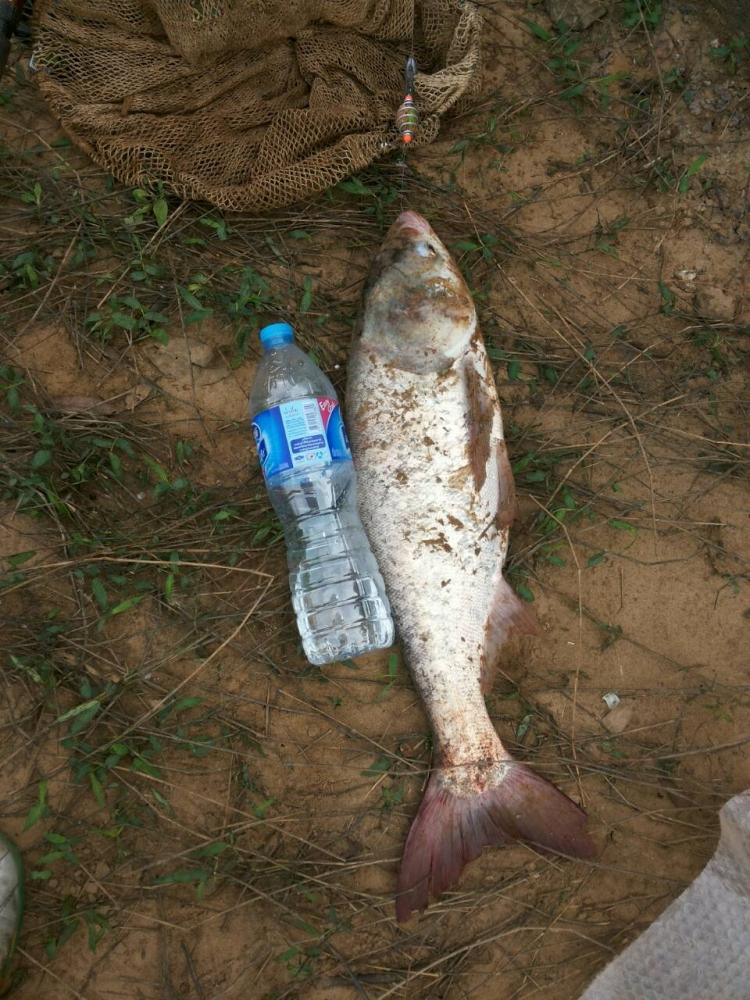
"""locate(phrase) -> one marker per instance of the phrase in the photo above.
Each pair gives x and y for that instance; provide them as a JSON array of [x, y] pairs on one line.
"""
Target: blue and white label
[[300, 435]]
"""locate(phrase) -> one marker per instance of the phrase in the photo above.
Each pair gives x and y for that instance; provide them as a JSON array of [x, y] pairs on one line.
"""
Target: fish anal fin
[[507, 615], [454, 824]]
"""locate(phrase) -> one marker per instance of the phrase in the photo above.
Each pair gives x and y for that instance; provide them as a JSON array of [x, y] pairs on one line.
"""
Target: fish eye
[[425, 249]]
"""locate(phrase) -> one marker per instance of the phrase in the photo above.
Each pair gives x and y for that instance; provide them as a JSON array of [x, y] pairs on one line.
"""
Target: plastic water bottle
[[337, 590]]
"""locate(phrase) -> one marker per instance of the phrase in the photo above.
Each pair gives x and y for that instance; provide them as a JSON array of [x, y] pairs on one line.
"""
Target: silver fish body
[[437, 500]]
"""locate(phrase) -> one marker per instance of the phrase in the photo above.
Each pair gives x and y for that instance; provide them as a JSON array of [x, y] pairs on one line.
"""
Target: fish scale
[[437, 540], [436, 498]]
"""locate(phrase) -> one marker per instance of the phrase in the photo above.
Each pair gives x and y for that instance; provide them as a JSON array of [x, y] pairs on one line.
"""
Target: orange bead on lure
[[407, 116]]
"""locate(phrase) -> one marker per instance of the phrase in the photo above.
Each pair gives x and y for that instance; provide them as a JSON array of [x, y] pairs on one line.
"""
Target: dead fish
[[437, 499]]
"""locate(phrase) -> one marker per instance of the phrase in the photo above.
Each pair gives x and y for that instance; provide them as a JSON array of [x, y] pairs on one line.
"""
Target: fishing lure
[[407, 116]]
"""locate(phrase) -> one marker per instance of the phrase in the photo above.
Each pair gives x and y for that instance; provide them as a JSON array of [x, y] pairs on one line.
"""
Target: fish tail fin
[[470, 807]]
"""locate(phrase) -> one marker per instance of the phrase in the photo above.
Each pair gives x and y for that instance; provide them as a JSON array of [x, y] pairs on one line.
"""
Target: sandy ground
[[617, 313]]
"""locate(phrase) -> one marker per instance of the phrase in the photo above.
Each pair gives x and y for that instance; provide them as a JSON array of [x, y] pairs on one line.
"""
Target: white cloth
[[699, 948]]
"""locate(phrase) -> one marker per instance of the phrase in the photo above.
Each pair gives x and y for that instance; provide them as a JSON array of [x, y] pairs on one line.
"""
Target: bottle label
[[300, 435]]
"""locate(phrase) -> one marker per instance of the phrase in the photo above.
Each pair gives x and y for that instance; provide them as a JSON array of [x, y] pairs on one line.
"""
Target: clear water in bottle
[[337, 590]]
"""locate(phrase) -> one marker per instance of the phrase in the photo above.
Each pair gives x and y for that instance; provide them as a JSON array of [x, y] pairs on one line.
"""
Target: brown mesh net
[[248, 104]]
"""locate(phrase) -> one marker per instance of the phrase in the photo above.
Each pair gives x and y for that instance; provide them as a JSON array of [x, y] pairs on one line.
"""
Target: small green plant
[[483, 245], [307, 295], [217, 225], [149, 203], [392, 676], [377, 191], [690, 171], [28, 269], [603, 86], [610, 633], [609, 746], [719, 710], [563, 61], [300, 957], [661, 172], [145, 271], [606, 235], [731, 54], [299, 960], [62, 850], [620, 525], [11, 381], [194, 295], [645, 13], [524, 726], [40, 808], [715, 344], [475, 252], [164, 482], [536, 470], [486, 138], [71, 918], [381, 765], [668, 300], [391, 795], [127, 313], [549, 554], [62, 458], [674, 79], [187, 876], [518, 577], [248, 298], [33, 196]]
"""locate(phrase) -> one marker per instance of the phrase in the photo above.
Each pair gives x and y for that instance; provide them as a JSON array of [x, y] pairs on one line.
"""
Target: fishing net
[[248, 104]]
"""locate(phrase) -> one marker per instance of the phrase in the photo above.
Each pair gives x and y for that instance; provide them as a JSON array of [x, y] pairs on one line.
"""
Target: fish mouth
[[410, 228], [410, 224]]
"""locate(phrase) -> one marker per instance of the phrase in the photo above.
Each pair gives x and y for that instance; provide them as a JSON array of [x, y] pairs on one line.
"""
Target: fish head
[[418, 313]]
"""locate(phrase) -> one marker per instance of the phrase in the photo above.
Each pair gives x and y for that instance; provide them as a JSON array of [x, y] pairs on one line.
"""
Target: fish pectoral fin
[[507, 614], [452, 829]]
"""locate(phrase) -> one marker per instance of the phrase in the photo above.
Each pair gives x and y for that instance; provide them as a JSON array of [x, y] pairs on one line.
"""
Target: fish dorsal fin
[[482, 404], [506, 488], [507, 614], [491, 470], [487, 450]]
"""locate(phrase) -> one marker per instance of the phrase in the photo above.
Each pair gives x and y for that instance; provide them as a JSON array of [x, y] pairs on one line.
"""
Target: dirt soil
[[201, 813]]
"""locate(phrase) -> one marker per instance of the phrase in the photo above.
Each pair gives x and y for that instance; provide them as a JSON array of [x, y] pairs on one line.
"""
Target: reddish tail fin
[[451, 828]]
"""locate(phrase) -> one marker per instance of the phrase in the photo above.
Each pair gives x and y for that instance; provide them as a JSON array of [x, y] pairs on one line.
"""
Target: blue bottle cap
[[276, 334]]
